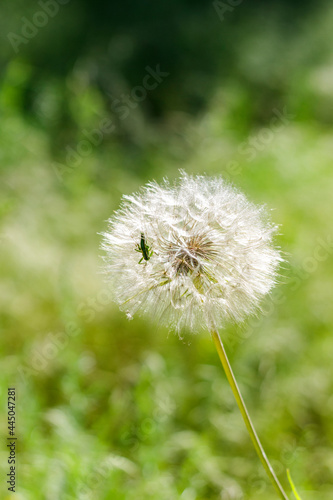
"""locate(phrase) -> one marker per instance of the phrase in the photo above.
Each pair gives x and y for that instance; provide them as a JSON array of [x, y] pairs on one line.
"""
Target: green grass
[[111, 409]]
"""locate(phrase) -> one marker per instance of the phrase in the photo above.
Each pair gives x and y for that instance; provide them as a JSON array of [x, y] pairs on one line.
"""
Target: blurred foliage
[[85, 48], [111, 409]]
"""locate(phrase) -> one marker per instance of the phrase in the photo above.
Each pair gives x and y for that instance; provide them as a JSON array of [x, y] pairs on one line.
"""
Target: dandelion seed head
[[192, 255]]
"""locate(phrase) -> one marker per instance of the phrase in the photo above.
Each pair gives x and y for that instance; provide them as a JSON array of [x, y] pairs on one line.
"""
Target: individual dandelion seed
[[206, 257]]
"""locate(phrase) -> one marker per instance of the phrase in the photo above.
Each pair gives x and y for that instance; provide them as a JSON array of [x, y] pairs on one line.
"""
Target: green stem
[[232, 381], [293, 487]]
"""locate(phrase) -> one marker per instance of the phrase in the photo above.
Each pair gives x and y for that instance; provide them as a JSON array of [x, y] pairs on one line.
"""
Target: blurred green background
[[97, 99]]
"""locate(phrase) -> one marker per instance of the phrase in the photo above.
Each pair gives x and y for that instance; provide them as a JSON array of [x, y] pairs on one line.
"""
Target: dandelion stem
[[235, 389]]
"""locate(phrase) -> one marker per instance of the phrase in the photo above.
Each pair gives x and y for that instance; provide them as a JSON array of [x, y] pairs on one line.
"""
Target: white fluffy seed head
[[192, 255]]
